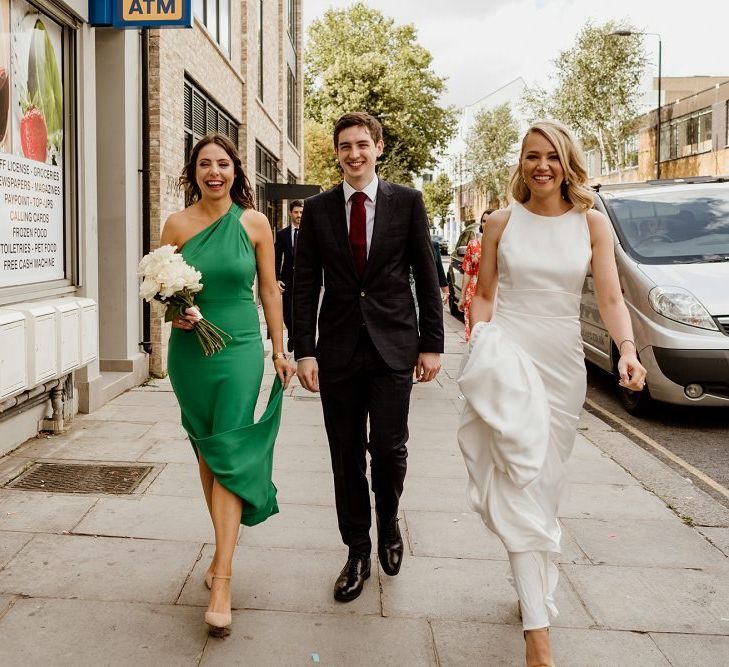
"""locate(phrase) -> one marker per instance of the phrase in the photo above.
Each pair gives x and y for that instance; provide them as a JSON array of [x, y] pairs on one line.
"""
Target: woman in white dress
[[524, 375]]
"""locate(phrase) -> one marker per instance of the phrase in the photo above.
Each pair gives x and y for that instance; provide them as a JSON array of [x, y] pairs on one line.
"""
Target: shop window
[[215, 15], [292, 110], [38, 244]]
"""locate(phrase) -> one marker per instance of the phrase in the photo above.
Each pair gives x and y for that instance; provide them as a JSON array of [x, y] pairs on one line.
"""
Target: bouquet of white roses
[[168, 278]]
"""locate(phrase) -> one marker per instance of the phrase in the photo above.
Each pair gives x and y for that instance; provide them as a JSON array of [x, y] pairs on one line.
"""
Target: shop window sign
[[141, 13], [31, 146]]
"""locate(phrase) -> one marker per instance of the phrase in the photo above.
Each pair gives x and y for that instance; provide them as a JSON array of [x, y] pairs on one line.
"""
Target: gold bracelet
[[278, 355], [627, 340]]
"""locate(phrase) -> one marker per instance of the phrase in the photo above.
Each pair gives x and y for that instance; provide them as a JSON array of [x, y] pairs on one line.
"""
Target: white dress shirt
[[371, 191]]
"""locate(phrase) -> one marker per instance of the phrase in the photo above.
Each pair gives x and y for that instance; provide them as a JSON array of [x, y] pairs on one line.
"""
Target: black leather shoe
[[351, 579], [389, 546]]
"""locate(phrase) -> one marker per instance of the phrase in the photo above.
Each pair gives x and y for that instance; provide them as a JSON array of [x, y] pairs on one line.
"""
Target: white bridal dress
[[523, 379]]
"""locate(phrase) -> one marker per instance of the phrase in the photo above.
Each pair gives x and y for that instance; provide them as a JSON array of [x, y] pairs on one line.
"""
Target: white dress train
[[523, 380]]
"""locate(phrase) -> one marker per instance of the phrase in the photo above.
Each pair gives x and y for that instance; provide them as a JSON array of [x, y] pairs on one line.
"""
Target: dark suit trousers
[[367, 387]]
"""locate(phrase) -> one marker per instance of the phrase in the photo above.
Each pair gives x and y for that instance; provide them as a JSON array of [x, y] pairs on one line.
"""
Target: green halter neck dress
[[218, 394]]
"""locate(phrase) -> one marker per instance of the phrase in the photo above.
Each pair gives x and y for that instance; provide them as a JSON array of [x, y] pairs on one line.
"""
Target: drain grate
[[81, 478]]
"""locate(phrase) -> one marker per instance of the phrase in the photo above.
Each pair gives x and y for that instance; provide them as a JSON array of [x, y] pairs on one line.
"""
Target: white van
[[672, 252]]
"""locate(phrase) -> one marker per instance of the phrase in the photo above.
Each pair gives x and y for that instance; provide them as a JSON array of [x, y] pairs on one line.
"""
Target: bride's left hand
[[632, 373], [284, 370]]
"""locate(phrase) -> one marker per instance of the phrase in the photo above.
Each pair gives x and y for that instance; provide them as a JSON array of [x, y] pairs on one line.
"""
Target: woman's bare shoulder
[[174, 225], [495, 224], [255, 223]]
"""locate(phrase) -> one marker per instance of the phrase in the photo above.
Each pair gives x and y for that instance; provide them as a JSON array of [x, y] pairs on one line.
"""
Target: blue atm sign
[[141, 13]]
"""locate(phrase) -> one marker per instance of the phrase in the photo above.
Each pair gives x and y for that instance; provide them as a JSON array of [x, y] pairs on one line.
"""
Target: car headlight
[[680, 305]]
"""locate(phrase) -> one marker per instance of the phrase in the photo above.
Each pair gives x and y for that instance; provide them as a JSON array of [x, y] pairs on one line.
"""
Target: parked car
[[455, 272], [672, 252], [442, 243]]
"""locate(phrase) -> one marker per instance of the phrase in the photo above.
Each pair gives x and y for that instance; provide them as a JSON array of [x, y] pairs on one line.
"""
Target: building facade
[[694, 134], [89, 174]]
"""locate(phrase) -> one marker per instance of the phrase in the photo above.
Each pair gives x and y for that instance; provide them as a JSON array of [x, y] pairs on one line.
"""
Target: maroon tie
[[358, 231]]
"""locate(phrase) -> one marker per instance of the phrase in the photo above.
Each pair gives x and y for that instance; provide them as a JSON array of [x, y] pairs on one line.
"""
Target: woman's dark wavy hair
[[241, 192]]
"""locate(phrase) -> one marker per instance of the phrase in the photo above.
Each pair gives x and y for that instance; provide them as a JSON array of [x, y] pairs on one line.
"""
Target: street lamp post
[[628, 33]]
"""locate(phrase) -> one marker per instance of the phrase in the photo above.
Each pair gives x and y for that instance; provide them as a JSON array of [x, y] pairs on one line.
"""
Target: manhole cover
[[81, 478]]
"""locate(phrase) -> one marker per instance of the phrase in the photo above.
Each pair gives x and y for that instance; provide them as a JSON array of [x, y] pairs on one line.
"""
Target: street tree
[[357, 59], [320, 162], [597, 90], [438, 195], [490, 151]]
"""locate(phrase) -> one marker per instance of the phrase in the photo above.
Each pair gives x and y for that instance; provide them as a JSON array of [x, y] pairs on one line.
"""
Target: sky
[[480, 45]]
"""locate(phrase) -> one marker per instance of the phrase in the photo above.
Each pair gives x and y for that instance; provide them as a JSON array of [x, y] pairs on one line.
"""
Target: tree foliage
[[597, 90], [320, 162], [359, 60], [438, 195], [490, 151]]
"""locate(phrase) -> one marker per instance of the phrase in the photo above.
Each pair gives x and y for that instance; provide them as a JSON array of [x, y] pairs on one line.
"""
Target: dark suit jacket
[[285, 256], [381, 300]]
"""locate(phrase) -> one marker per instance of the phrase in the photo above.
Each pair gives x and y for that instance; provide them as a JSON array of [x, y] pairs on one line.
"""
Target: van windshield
[[673, 226]]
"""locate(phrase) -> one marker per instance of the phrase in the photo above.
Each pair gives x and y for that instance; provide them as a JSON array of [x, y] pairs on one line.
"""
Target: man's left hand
[[428, 366], [444, 293]]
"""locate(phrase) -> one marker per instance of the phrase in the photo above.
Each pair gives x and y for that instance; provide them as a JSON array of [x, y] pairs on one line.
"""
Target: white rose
[[172, 279], [148, 289]]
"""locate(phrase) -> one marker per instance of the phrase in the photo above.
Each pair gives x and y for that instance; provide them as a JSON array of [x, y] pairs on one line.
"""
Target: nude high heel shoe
[[538, 664], [219, 623]]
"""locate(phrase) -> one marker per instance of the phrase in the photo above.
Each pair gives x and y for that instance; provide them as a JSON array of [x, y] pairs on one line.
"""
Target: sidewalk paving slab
[[719, 537], [370, 640], [37, 512], [692, 650], [460, 644], [649, 599], [88, 633], [100, 568], [10, 544], [149, 517], [608, 501], [641, 543]]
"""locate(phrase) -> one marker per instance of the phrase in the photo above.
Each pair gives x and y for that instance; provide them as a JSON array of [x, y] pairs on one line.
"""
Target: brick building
[[694, 134], [239, 72]]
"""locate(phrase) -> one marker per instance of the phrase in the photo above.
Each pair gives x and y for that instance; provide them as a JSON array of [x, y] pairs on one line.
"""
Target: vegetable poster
[[31, 145]]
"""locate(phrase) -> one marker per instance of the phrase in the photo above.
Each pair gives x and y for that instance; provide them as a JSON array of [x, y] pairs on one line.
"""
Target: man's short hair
[[361, 119], [294, 203]]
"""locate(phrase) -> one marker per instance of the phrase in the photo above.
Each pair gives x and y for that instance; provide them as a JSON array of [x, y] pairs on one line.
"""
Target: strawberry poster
[[31, 150]]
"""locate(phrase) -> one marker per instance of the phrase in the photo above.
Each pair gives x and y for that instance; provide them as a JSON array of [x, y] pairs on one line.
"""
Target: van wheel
[[637, 403]]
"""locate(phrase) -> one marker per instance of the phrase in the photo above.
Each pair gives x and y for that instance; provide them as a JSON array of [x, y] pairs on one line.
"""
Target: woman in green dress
[[230, 243]]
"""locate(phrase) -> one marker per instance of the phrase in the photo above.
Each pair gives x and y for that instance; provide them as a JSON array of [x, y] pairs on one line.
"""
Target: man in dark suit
[[366, 235], [286, 240]]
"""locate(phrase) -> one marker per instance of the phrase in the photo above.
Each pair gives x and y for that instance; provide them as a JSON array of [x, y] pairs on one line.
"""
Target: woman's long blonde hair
[[572, 159]]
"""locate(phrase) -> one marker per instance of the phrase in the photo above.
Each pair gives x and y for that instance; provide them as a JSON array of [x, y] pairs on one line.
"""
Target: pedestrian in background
[[442, 280], [471, 261], [229, 242], [524, 377], [286, 240]]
